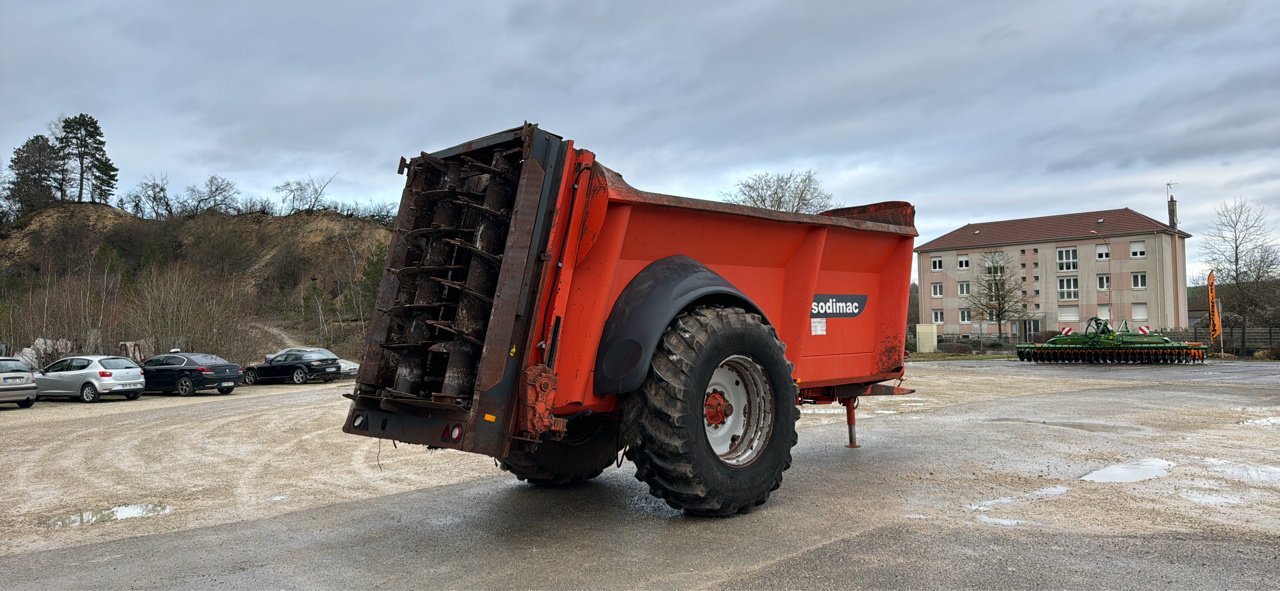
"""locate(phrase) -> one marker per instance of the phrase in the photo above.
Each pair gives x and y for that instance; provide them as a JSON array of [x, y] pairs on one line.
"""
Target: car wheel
[[186, 387], [133, 396], [299, 376], [26, 403], [250, 377], [226, 390], [88, 393]]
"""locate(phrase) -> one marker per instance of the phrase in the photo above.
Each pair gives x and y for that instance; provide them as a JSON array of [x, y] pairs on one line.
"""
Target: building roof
[[1069, 226]]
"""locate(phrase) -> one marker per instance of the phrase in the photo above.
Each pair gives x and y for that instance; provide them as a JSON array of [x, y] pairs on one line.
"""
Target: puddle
[[1144, 469], [1246, 472], [1269, 421], [914, 404], [1051, 491], [113, 514], [279, 498], [998, 521], [1213, 499], [886, 412], [1090, 427]]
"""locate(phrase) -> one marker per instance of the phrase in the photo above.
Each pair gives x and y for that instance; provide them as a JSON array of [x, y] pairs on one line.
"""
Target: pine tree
[[85, 152], [34, 166]]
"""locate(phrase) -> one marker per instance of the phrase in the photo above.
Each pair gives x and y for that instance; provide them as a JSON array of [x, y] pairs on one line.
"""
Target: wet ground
[[993, 474]]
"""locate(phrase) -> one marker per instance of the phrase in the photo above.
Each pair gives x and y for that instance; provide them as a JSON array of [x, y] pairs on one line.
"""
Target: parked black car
[[188, 373], [298, 368]]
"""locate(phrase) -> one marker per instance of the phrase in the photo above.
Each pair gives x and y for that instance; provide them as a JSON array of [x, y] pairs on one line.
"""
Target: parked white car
[[17, 382], [90, 377]]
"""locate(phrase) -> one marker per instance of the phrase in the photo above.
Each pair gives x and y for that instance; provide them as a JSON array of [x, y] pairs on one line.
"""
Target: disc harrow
[[1101, 344]]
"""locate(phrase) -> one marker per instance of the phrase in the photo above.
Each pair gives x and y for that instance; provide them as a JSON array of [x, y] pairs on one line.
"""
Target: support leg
[[850, 405]]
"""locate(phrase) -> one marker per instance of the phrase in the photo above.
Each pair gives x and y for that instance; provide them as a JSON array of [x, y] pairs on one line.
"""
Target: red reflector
[[456, 433], [104, 374]]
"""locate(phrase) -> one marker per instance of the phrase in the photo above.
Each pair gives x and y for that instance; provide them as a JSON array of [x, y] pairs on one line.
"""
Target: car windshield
[[117, 363], [313, 355], [206, 359], [7, 365]]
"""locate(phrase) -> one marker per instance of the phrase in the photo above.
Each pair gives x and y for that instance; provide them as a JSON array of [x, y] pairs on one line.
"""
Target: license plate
[[13, 380], [227, 384], [331, 369]]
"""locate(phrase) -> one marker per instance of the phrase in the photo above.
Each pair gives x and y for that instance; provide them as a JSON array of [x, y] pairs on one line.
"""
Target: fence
[[1239, 341]]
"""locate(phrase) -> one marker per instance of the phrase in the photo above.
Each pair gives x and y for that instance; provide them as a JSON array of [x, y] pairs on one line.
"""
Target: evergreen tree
[[84, 151], [34, 167]]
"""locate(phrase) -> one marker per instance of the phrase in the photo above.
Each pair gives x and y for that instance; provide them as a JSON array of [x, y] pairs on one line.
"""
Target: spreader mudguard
[[643, 310]]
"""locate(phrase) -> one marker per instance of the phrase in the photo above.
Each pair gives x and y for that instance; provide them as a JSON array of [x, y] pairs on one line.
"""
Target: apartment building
[[1116, 264]]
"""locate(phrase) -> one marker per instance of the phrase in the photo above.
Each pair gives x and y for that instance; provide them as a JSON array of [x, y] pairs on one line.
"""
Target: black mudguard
[[643, 310]]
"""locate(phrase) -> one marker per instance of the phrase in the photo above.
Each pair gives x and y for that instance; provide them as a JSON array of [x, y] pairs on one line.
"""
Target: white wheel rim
[[739, 432]]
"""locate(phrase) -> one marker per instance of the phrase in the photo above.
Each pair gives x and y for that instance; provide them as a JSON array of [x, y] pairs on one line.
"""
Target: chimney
[[1173, 212]]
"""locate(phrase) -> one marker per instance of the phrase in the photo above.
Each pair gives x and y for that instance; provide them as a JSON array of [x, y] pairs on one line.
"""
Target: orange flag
[[1215, 321]]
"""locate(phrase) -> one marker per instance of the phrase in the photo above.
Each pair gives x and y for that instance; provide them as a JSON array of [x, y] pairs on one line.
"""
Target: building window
[[1024, 293], [1104, 282], [937, 290], [1023, 251], [964, 288], [1035, 251], [935, 264], [1069, 313], [962, 261], [1139, 311], [1104, 312], [1104, 252], [1138, 249], [964, 316], [1140, 280], [1067, 260], [1022, 266], [937, 316], [1035, 265], [1036, 278], [1037, 306], [1037, 293], [1068, 288]]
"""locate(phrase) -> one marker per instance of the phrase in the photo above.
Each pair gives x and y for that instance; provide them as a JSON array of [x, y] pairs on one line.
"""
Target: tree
[[796, 192], [303, 194], [84, 152], [216, 193], [34, 168], [998, 294], [150, 199], [1241, 249]]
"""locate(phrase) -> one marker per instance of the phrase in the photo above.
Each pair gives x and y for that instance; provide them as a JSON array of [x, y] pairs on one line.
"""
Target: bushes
[[911, 346], [955, 348]]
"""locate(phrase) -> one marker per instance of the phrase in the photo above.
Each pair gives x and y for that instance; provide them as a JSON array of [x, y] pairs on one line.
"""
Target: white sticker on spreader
[[817, 326]]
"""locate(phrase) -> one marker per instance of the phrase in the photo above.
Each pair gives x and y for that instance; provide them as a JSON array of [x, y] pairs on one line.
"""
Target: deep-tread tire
[[590, 445], [299, 376], [88, 393], [186, 387], [26, 403], [664, 424], [250, 377], [133, 396], [225, 391]]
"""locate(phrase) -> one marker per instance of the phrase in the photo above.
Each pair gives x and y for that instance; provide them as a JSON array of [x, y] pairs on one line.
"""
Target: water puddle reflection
[[1144, 469], [113, 514]]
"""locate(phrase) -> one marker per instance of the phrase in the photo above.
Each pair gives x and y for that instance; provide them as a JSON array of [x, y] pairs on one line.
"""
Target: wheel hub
[[717, 409]]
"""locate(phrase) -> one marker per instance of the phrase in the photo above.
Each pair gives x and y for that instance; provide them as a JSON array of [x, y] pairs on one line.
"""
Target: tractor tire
[[712, 426], [589, 446]]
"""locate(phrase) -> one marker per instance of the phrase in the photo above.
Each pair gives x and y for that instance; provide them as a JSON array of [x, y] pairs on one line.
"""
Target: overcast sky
[[974, 111]]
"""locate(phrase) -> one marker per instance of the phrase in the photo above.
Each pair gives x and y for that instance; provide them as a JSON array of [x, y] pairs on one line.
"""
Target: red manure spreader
[[538, 309]]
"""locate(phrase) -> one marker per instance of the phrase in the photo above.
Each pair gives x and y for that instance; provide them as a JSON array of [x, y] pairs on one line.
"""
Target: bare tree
[[1241, 248], [998, 294], [303, 194], [216, 193], [150, 199], [796, 192]]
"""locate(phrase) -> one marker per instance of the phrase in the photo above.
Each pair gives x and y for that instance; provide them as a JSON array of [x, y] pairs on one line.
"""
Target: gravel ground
[[993, 474]]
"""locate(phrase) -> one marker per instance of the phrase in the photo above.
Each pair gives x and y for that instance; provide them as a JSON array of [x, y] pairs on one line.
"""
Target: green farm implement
[[1101, 344]]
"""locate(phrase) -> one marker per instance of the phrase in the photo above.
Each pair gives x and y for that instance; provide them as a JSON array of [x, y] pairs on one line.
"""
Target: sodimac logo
[[827, 305]]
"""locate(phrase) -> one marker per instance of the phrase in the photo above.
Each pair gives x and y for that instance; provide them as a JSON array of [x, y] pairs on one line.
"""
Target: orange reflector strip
[[490, 418]]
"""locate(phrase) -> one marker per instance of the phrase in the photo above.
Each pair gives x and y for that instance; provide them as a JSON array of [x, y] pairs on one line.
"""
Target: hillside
[[96, 275]]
